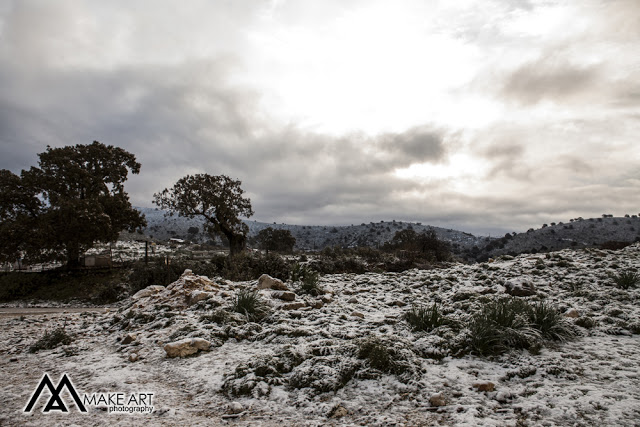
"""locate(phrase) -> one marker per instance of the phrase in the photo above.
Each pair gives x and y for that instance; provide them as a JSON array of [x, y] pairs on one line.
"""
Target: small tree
[[276, 240], [73, 199], [218, 199]]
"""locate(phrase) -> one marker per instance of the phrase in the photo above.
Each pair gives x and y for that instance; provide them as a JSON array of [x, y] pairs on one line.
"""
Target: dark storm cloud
[[68, 76], [188, 118]]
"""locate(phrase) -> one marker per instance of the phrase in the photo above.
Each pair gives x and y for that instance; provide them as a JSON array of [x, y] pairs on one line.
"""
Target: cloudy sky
[[487, 116]]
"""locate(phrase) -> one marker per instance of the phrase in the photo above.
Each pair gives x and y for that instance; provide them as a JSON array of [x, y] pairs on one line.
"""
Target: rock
[[267, 282], [284, 295], [503, 396], [338, 412], [326, 298], [357, 314], [572, 312], [397, 303], [520, 288], [293, 305], [235, 408], [128, 339], [133, 357], [437, 400], [197, 296], [484, 386], [318, 304], [13, 359], [148, 291], [186, 347], [353, 300]]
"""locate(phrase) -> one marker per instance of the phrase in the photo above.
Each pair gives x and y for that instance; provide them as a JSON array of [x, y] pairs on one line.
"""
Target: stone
[[572, 312], [235, 408], [397, 303], [437, 400], [338, 412], [197, 296], [503, 396], [186, 347], [357, 314], [326, 298], [293, 305], [267, 282], [353, 300], [128, 339], [520, 288], [318, 304], [283, 295], [133, 357], [148, 291], [484, 386]]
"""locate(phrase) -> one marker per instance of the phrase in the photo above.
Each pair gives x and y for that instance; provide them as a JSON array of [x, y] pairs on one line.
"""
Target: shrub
[[306, 278], [626, 279], [549, 322], [51, 340], [18, 285], [508, 323], [387, 355], [155, 272], [500, 325], [248, 266], [250, 304], [425, 318], [586, 322]]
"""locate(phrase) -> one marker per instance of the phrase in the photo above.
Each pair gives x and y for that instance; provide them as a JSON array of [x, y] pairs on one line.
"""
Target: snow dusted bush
[[626, 279], [306, 280], [513, 323], [383, 354], [425, 318], [249, 303], [51, 340]]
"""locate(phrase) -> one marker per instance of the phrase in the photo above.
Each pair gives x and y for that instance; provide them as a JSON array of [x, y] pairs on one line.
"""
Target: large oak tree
[[218, 199], [73, 199]]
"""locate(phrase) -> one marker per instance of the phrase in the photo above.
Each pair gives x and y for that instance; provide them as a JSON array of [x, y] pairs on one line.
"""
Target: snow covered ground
[[303, 364]]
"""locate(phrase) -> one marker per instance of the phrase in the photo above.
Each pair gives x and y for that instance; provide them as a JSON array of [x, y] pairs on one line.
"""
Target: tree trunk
[[237, 243], [73, 256]]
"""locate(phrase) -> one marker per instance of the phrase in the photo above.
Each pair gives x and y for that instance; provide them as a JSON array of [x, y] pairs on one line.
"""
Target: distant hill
[[576, 233], [308, 237]]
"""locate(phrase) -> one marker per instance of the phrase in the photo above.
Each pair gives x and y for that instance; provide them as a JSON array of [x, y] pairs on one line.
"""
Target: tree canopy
[[425, 243], [271, 239], [73, 199], [218, 199]]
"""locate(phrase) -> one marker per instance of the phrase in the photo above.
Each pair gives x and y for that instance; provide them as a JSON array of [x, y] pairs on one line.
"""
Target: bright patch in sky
[[457, 167], [377, 69]]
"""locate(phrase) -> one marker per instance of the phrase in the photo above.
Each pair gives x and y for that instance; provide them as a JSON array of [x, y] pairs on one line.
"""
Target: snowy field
[[303, 364]]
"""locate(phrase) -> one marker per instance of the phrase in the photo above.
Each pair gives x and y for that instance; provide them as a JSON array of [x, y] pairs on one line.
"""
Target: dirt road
[[35, 311]]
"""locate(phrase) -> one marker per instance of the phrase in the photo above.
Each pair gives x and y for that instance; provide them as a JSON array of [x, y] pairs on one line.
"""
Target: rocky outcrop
[[267, 282], [186, 347], [520, 288]]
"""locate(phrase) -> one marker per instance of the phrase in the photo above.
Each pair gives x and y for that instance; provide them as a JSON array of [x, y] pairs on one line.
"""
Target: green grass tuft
[[626, 279], [51, 340], [425, 318], [512, 323], [250, 304]]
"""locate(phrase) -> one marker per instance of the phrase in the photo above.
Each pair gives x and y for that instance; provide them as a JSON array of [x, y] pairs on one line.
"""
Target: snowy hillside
[[576, 233], [348, 356], [308, 237]]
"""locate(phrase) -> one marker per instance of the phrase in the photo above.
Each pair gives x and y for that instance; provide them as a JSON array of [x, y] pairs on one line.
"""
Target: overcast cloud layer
[[487, 116]]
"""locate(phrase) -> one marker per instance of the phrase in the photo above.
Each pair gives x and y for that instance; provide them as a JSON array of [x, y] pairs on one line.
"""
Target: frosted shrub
[[425, 318]]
